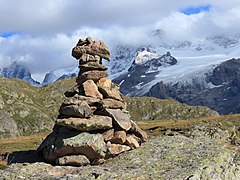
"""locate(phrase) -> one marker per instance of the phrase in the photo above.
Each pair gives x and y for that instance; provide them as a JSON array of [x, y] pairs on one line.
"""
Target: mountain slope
[[18, 71], [221, 94], [31, 109]]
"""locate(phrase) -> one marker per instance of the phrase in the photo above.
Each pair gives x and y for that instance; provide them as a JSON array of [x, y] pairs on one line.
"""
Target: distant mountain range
[[196, 73]]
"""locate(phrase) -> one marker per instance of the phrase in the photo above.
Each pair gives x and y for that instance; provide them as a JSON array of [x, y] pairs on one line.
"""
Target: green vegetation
[[26, 110], [149, 108]]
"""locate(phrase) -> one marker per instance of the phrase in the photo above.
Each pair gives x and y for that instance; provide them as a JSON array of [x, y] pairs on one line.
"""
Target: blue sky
[[8, 34], [196, 10]]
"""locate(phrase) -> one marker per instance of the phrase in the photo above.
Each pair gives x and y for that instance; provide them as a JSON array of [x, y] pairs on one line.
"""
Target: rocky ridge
[[222, 95], [93, 124]]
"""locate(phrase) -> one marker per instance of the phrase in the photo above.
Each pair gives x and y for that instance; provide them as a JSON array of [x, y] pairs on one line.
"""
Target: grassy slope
[[34, 109]]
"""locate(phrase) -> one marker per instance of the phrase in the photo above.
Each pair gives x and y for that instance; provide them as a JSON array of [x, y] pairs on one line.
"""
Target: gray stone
[[111, 103], [138, 131], [58, 145], [85, 58], [77, 99], [80, 110], [71, 92], [83, 124], [73, 160], [121, 119], [92, 66]]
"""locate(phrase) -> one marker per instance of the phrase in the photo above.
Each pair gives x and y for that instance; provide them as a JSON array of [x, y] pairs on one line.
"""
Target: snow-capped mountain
[[18, 71], [189, 77], [60, 74], [183, 70]]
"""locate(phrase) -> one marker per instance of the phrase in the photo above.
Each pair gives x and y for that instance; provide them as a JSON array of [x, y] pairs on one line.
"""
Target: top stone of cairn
[[91, 47]]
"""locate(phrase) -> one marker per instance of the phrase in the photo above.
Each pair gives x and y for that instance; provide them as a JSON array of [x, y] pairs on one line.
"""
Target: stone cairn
[[93, 124]]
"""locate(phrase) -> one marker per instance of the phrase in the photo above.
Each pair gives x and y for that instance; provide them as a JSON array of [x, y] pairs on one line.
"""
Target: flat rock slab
[[111, 104], [94, 75], [73, 160], [92, 66], [79, 110], [77, 99], [121, 118], [91, 124]]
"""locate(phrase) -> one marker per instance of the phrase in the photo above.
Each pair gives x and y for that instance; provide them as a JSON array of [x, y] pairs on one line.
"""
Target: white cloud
[[48, 29]]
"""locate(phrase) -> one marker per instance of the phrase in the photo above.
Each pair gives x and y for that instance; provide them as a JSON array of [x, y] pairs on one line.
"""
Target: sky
[[41, 34]]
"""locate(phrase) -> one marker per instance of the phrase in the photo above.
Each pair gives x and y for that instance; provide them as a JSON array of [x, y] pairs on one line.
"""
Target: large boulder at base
[[92, 124], [90, 145]]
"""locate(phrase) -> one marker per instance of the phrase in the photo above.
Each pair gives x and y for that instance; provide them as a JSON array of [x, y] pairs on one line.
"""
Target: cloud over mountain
[[43, 32]]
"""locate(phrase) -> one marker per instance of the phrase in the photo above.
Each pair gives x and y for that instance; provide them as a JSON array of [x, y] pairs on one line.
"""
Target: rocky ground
[[203, 152]]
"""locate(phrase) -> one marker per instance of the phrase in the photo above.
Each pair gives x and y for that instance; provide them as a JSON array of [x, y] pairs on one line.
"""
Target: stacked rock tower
[[93, 124]]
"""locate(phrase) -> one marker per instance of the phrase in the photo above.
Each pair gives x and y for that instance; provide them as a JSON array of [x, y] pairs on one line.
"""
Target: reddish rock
[[91, 89], [83, 124], [131, 142], [109, 89], [108, 135], [120, 118], [91, 75], [73, 160], [119, 137], [115, 149]]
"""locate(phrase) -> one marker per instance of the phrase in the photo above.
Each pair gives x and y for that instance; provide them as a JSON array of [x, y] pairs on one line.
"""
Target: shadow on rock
[[31, 156]]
